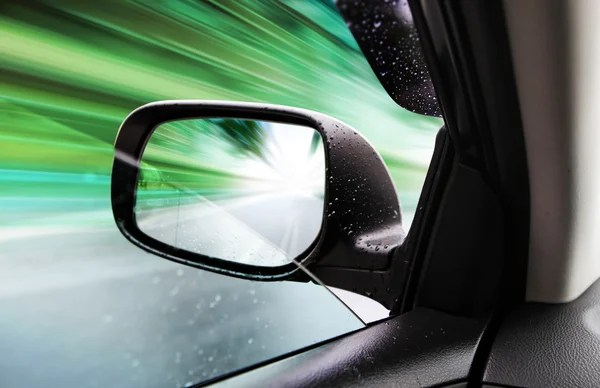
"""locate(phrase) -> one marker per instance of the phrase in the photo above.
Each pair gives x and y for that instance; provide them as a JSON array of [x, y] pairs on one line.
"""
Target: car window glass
[[81, 306]]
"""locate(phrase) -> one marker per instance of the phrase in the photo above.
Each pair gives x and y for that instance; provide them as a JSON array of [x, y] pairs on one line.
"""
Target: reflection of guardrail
[[210, 177], [175, 190], [175, 194]]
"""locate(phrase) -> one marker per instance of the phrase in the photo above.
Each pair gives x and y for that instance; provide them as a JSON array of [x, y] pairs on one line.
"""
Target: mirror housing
[[362, 221]]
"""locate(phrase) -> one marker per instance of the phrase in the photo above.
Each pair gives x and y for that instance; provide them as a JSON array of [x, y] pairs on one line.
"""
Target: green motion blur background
[[71, 71], [79, 305]]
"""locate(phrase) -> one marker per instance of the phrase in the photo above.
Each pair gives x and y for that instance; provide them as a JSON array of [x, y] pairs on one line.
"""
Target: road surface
[[268, 229], [81, 306]]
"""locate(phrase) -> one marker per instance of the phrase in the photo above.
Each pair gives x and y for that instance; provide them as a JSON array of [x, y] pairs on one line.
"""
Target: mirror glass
[[246, 191]]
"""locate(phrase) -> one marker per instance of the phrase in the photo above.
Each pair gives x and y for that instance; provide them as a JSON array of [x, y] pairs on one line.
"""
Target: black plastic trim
[[467, 47], [477, 91], [422, 348], [412, 252]]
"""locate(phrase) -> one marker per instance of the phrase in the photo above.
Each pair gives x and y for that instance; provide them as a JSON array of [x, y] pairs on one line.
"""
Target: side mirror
[[254, 191]]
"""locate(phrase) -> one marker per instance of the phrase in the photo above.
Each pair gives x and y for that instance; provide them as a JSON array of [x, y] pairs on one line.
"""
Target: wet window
[[82, 307]]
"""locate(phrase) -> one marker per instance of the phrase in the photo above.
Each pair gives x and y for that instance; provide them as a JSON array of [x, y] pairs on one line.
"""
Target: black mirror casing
[[362, 217]]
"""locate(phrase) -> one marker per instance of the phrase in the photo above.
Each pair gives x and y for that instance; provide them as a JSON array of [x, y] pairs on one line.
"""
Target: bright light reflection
[[289, 166]]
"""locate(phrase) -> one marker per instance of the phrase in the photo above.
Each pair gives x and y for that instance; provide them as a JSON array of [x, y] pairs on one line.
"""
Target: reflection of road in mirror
[[246, 191], [267, 229]]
